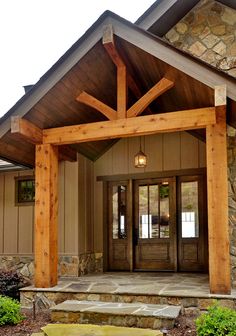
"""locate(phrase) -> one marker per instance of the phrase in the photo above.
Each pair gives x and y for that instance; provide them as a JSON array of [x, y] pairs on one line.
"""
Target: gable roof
[[164, 14], [134, 37]]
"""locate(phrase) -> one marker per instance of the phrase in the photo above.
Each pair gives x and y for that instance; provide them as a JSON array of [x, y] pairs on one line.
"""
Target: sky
[[34, 34]]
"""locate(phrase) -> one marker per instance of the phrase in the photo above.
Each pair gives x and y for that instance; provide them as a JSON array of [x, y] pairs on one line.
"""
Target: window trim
[[22, 178]]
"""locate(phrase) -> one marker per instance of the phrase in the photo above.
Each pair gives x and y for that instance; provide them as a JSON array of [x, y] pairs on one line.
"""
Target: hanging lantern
[[140, 159]]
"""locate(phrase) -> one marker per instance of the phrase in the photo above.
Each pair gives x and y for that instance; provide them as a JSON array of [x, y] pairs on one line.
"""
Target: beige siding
[[76, 189], [11, 216], [25, 228], [2, 185], [71, 207], [165, 152], [61, 208]]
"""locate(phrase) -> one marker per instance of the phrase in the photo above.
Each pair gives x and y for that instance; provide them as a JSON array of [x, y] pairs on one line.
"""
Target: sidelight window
[[119, 211], [189, 209]]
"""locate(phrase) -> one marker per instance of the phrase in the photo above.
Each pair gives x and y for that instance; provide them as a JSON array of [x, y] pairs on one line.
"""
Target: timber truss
[[129, 123]]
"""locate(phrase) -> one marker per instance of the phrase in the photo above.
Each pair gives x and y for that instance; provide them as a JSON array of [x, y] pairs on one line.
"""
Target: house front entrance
[[157, 224]]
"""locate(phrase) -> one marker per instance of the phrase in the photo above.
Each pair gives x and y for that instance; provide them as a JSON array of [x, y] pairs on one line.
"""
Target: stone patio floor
[[141, 283]]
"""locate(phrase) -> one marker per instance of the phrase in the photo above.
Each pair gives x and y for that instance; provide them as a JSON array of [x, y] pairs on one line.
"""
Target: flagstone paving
[[92, 330], [172, 284]]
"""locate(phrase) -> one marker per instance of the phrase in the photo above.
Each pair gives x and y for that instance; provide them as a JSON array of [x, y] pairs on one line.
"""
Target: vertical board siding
[[169, 151], [71, 207], [61, 208], [11, 216], [2, 185], [189, 151], [16, 222], [26, 225], [82, 204]]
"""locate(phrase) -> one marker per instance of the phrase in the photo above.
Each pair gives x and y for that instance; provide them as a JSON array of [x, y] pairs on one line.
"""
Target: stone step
[[94, 330], [138, 315]]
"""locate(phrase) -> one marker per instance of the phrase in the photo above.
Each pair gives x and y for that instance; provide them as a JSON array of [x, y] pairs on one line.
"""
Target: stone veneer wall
[[68, 265], [232, 198], [208, 32]]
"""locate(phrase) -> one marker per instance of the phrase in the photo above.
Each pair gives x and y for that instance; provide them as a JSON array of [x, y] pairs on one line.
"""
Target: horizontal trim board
[[140, 176]]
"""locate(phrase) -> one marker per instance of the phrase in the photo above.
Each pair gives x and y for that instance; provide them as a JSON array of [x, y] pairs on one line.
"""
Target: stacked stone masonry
[[72, 266], [208, 32]]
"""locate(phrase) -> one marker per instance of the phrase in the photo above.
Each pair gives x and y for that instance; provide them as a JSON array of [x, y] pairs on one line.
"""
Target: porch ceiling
[[96, 74]]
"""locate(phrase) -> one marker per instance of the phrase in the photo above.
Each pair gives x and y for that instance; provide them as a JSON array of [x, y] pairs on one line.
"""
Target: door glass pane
[[164, 210], [119, 227], [154, 211], [189, 211], [143, 212]]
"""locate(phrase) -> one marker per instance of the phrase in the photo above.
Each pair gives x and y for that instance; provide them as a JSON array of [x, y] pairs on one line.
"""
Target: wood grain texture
[[46, 216], [89, 100], [218, 228], [26, 130], [157, 90], [165, 122]]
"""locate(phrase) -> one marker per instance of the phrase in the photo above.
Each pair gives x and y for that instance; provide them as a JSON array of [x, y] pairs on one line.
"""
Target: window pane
[[119, 212], [164, 210], [26, 191], [189, 211], [143, 212], [154, 211]]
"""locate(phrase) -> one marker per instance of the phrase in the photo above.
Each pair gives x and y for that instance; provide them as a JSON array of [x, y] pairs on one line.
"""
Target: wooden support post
[[46, 213], [218, 227]]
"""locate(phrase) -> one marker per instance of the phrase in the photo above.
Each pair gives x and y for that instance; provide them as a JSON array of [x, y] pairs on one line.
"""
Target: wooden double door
[[157, 224]]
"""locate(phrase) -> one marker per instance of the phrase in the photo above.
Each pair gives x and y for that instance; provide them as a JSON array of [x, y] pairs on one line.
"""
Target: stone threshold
[[139, 315], [94, 330]]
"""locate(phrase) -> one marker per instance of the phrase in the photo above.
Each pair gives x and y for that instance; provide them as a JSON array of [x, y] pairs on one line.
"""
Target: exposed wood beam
[[121, 92], [144, 125], [46, 216], [31, 133], [109, 45], [217, 184], [26, 130], [162, 86], [89, 100]]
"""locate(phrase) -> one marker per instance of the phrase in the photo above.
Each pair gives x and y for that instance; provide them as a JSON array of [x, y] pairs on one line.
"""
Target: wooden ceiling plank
[[158, 89], [93, 102], [128, 127], [66, 153], [25, 129]]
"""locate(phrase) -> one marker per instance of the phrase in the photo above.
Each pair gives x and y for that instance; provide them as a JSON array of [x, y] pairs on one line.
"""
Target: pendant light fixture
[[140, 159]]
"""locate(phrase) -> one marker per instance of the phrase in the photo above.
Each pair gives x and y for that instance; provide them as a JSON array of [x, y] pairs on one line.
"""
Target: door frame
[[202, 240], [130, 178], [172, 225]]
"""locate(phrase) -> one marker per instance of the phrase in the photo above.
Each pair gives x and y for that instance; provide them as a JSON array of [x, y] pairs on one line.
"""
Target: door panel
[[192, 237], [154, 243], [119, 224]]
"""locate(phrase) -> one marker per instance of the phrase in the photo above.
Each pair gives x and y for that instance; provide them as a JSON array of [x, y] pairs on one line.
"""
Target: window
[[154, 210], [25, 190]]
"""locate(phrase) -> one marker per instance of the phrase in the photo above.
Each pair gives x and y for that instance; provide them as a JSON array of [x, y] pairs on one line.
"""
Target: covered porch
[[84, 121], [184, 289]]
